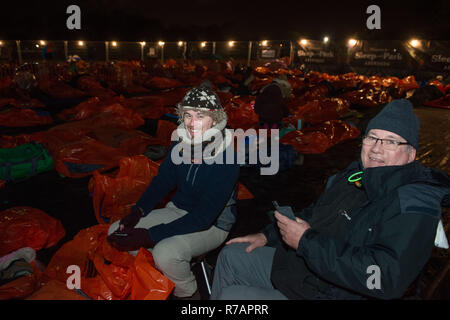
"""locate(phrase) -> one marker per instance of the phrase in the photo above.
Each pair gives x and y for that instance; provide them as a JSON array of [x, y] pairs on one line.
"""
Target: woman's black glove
[[131, 220], [132, 240]]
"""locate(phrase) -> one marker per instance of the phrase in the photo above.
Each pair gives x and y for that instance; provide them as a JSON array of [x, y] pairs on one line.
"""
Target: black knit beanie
[[202, 97], [398, 117]]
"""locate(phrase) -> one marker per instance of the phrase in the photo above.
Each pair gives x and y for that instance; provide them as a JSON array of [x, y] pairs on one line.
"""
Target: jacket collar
[[384, 180], [209, 138]]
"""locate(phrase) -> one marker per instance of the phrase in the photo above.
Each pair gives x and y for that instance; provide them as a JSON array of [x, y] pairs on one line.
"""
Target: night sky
[[136, 20]]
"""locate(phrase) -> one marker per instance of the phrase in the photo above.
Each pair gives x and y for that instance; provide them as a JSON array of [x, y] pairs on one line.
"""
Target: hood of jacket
[[215, 140]]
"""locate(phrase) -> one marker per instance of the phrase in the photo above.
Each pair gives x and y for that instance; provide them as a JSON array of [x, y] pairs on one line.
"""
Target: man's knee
[[229, 255], [233, 249]]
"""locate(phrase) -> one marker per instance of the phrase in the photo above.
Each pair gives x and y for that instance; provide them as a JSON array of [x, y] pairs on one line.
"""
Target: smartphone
[[285, 210], [120, 234]]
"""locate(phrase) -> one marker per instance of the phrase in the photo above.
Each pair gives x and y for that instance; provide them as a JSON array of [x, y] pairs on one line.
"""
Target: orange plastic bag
[[318, 111], [114, 196], [88, 250], [408, 83], [76, 252], [55, 290], [171, 97], [22, 103], [93, 88], [336, 131], [243, 192], [311, 143], [81, 111], [162, 83], [109, 274], [317, 139], [28, 227], [148, 283], [367, 97], [60, 89], [136, 103], [258, 83], [113, 116], [218, 79], [317, 92], [14, 141], [82, 158], [130, 142], [117, 278], [241, 114], [17, 117], [100, 149], [261, 71]]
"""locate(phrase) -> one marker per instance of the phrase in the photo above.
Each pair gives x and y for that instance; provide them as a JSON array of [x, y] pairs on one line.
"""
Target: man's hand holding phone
[[291, 227]]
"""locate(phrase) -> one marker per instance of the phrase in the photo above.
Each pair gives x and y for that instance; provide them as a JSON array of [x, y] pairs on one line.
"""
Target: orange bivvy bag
[[113, 197], [28, 227], [107, 273]]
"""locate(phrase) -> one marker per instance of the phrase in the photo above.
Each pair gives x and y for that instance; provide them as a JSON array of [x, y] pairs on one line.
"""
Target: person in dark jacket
[[270, 104], [368, 235], [202, 211]]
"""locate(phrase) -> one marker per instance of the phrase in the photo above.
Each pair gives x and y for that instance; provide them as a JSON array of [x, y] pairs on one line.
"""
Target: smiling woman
[[197, 122], [201, 109]]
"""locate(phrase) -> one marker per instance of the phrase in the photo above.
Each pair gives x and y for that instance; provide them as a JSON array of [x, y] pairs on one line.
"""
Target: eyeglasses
[[388, 144]]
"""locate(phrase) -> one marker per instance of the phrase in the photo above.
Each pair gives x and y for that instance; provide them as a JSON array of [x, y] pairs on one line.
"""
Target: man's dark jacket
[[387, 225]]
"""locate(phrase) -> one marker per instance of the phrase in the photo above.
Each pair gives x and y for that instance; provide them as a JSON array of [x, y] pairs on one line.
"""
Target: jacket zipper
[[345, 214]]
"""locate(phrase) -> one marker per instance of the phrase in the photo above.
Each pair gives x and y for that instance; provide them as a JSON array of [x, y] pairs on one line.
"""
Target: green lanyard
[[354, 180]]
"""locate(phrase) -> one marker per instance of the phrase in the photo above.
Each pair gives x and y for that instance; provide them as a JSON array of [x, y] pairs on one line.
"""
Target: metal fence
[[21, 51], [422, 58]]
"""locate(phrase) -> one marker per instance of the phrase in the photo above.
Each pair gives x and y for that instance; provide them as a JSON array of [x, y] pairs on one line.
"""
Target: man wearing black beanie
[[397, 128], [368, 235]]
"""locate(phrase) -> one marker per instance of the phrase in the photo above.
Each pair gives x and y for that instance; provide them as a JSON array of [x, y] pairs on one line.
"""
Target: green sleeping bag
[[24, 161]]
